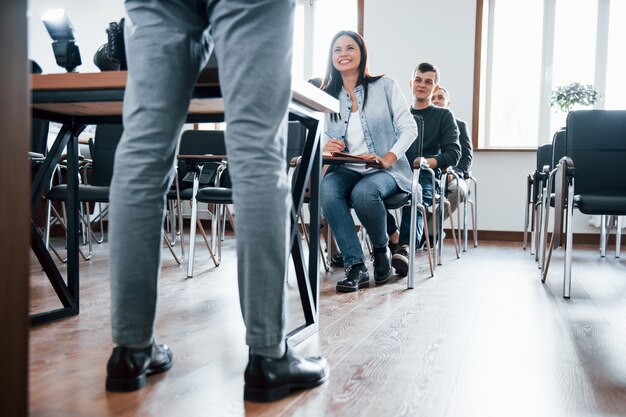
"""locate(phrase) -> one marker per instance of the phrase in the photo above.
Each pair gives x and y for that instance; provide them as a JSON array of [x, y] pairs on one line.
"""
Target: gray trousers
[[167, 44]]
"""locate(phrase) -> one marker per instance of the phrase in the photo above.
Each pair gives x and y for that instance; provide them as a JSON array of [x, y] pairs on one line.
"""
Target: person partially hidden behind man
[[441, 149], [442, 99], [253, 45]]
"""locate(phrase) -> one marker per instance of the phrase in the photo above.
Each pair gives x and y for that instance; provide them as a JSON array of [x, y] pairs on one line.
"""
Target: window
[[534, 46], [615, 92], [316, 22]]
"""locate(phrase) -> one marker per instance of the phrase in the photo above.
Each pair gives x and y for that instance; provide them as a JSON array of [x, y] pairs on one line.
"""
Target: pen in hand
[[334, 145]]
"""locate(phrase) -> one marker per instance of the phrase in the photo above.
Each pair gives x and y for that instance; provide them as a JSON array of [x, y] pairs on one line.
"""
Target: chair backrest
[[544, 156], [596, 142], [201, 142], [558, 147], [295, 140], [106, 139], [39, 136]]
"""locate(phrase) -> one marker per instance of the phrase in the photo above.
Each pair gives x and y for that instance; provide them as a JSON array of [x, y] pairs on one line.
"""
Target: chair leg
[[192, 228], [533, 229], [569, 247], [465, 203], [439, 241], [458, 222], [431, 262], [216, 261], [544, 216], [215, 236], [475, 212], [170, 246], [603, 236], [618, 236], [47, 225], [453, 230], [537, 232], [526, 211]]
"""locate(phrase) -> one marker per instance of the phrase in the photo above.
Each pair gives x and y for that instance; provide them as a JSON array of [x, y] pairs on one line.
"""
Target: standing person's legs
[[253, 44], [164, 53]]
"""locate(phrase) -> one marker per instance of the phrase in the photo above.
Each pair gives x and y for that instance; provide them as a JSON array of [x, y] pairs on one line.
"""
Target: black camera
[[112, 55]]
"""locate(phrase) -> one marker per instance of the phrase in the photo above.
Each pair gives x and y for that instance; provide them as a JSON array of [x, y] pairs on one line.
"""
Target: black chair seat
[[185, 194], [397, 200], [601, 204], [215, 195], [93, 193]]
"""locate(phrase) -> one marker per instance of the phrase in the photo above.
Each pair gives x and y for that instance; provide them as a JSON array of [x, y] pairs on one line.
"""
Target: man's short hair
[[442, 88], [426, 67]]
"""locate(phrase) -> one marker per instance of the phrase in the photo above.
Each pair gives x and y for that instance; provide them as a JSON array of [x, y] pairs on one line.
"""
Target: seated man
[[442, 99], [441, 149]]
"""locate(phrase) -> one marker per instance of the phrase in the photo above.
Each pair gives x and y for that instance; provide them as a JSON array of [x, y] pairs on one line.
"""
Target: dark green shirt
[[440, 137]]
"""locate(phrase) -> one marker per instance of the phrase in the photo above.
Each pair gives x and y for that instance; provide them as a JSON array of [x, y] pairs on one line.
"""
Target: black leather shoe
[[128, 368], [382, 265], [268, 379], [356, 278], [336, 260]]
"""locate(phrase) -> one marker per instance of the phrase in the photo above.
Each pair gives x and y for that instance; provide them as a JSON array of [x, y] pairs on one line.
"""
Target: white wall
[[399, 34]]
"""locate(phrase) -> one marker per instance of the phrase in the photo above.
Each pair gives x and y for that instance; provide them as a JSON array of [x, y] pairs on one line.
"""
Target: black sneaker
[[336, 260], [356, 278], [400, 261], [393, 247], [431, 241], [382, 265]]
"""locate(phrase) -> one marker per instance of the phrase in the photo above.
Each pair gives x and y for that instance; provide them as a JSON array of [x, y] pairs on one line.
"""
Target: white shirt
[[355, 141]]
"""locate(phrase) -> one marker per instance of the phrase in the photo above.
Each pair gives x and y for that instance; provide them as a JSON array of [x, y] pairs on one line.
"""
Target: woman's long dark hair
[[332, 82]]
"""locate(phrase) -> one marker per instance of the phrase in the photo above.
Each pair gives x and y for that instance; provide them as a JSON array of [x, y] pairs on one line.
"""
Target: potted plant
[[567, 96]]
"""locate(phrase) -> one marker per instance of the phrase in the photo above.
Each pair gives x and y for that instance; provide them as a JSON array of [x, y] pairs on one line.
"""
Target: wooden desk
[[76, 100]]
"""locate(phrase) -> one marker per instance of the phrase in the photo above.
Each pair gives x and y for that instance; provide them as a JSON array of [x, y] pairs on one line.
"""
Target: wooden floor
[[483, 338]]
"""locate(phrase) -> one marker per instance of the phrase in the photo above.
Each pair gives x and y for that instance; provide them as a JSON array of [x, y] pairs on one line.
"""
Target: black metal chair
[[535, 184], [548, 196], [219, 194], [201, 162], [97, 191], [590, 178]]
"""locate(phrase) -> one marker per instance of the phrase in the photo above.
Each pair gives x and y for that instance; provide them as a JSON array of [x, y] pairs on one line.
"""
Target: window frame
[[309, 24]]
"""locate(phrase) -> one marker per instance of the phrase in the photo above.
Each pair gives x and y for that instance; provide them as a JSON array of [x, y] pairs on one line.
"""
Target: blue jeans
[[343, 187], [427, 200]]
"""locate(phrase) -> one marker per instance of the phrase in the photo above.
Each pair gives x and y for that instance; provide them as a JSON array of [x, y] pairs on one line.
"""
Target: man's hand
[[432, 163]]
